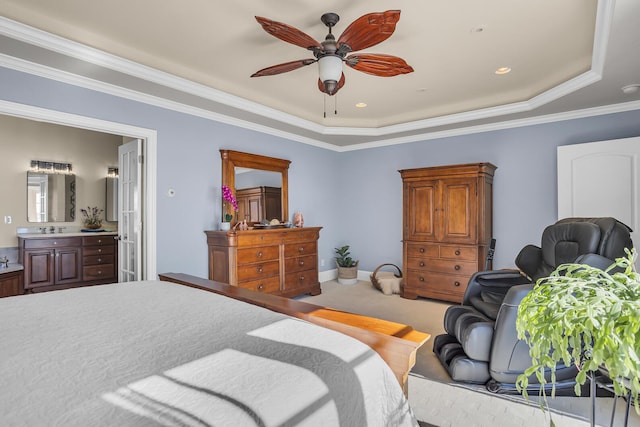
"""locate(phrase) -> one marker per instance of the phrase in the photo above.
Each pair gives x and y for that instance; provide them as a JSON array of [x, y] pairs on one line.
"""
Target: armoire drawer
[[443, 266]]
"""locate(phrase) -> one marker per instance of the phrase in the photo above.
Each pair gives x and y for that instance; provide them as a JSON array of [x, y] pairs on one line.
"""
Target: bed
[[161, 353]]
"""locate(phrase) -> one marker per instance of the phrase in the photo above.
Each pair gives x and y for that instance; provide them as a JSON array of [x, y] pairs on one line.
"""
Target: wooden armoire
[[447, 228]]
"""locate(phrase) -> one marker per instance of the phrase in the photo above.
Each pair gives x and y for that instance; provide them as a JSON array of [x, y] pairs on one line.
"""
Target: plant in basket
[[347, 266]]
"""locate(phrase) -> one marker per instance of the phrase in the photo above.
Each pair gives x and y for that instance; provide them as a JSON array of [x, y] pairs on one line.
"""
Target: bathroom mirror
[[255, 173], [51, 197]]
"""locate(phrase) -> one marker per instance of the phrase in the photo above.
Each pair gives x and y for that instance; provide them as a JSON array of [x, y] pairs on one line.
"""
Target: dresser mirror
[[260, 183], [51, 197]]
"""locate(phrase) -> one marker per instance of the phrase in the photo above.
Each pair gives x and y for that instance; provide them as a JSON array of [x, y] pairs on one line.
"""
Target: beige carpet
[[435, 398]]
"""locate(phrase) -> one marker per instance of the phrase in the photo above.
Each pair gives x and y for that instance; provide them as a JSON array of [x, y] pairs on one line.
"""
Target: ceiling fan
[[364, 32]]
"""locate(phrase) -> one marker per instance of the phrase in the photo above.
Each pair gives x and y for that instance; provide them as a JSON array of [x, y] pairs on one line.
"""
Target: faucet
[[52, 229], [43, 230]]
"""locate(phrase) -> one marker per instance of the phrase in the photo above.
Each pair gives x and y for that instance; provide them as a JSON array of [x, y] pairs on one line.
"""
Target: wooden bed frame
[[394, 342]]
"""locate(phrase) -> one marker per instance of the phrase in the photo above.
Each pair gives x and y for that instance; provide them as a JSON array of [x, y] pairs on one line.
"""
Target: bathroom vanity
[[59, 261]]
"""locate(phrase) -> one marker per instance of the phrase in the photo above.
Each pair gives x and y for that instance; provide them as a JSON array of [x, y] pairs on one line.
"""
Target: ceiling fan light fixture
[[330, 68]]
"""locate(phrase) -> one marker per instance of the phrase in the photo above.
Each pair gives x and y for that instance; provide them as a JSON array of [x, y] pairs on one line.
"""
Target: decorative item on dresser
[[447, 226], [66, 261], [282, 261]]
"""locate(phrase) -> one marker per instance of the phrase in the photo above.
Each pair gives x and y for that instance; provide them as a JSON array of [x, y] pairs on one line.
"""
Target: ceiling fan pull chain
[[335, 105], [324, 100]]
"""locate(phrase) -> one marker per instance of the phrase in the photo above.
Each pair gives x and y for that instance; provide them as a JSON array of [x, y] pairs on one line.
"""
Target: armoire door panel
[[422, 223], [459, 216]]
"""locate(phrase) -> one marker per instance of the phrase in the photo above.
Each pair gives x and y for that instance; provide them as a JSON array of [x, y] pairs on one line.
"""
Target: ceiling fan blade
[[288, 33], [283, 68], [370, 29], [340, 84], [378, 64]]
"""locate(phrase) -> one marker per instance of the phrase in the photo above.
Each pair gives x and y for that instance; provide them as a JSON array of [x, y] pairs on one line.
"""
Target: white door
[[601, 179], [129, 212]]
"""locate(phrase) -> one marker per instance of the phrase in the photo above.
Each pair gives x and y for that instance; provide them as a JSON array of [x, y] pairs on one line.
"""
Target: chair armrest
[[493, 281], [529, 260], [595, 260]]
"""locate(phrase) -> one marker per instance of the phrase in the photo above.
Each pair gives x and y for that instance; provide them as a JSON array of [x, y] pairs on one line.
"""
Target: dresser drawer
[[269, 285], [258, 270], [443, 266], [422, 250], [300, 279], [300, 263], [299, 249], [97, 272], [257, 254], [98, 259], [98, 250]]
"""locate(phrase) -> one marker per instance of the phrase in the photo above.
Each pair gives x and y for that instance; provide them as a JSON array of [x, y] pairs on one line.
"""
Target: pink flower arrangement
[[227, 196]]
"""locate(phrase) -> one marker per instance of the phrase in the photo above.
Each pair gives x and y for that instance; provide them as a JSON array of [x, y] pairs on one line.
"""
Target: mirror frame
[[232, 159]]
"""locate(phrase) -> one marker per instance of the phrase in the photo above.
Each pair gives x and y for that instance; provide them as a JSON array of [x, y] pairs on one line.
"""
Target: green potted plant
[[347, 266], [588, 317]]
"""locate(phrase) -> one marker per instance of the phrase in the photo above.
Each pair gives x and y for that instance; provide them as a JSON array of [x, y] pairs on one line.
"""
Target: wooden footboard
[[396, 343]]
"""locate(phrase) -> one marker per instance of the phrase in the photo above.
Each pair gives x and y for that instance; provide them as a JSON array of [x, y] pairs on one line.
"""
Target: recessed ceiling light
[[361, 104], [478, 29], [502, 70], [630, 89]]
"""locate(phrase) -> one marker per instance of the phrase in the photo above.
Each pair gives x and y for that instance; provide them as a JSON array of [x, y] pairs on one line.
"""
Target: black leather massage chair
[[481, 345]]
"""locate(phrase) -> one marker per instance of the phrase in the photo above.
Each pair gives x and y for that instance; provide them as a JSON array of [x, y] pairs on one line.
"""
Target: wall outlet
[[8, 219], [321, 263]]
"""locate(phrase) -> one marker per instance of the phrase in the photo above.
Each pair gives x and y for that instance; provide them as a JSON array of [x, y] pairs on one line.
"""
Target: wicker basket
[[386, 281]]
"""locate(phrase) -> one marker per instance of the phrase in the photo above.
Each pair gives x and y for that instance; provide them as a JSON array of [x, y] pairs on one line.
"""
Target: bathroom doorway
[[145, 255]]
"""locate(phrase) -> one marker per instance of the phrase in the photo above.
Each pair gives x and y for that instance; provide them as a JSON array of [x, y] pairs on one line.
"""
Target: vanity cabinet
[[281, 261], [11, 283], [58, 262], [447, 228], [258, 203]]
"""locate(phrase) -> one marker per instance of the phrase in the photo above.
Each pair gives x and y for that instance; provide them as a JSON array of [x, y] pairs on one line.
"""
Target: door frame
[[149, 148]]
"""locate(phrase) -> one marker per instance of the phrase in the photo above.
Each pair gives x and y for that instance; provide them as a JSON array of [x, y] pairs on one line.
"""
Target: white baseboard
[[325, 276]]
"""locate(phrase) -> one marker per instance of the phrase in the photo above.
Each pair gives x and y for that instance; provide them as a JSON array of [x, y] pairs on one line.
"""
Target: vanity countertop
[[11, 268], [70, 234]]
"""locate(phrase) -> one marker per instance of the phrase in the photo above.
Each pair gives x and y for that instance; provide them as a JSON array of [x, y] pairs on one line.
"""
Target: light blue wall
[[356, 196]]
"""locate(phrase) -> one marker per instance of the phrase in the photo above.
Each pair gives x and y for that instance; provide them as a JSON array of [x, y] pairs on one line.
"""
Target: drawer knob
[[301, 278], [456, 283], [99, 272], [55, 243], [421, 279], [259, 254], [457, 251], [260, 287], [422, 264], [99, 250], [300, 249], [99, 240], [421, 250], [259, 269], [457, 267], [301, 263], [99, 259]]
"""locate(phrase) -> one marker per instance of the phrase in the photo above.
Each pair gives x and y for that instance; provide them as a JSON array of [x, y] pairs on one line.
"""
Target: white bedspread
[[157, 353]]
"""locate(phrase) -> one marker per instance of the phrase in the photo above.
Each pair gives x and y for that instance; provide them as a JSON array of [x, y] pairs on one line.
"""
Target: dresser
[[281, 261], [67, 260], [447, 227]]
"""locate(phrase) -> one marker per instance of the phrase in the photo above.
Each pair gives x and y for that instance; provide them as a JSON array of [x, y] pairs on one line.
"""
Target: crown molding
[[381, 136]]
